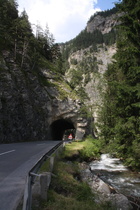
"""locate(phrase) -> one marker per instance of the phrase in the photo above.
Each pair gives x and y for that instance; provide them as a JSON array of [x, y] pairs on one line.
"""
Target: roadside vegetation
[[67, 191], [86, 150]]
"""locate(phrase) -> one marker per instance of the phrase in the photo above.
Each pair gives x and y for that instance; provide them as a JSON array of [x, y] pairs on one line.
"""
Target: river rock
[[121, 202], [103, 187], [103, 192]]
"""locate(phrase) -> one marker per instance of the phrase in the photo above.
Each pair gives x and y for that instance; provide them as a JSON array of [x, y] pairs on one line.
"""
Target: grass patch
[[86, 150], [71, 151], [67, 192], [60, 202]]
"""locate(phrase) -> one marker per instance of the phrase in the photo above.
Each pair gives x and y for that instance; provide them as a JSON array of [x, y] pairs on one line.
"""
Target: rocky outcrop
[[103, 24], [92, 65], [31, 100]]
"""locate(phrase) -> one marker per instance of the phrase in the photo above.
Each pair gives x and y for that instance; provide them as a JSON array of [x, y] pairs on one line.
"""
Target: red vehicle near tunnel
[[70, 137]]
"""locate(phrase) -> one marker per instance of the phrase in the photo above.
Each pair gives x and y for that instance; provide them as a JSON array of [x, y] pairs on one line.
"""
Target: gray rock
[[103, 191], [103, 187], [103, 24], [121, 202]]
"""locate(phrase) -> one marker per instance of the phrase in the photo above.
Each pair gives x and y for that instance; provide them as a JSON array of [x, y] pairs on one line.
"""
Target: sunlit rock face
[[103, 24], [90, 63], [29, 104]]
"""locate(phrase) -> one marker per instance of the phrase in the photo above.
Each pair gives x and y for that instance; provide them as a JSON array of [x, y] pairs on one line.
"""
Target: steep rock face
[[89, 60], [94, 66], [103, 56], [103, 24], [30, 103]]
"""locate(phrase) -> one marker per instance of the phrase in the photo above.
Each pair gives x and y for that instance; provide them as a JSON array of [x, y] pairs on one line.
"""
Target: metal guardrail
[[27, 201]]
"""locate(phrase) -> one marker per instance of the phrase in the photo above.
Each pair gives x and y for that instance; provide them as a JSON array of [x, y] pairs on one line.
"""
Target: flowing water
[[112, 171]]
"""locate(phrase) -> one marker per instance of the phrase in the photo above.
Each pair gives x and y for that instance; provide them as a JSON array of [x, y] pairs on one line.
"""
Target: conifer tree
[[24, 34], [8, 16]]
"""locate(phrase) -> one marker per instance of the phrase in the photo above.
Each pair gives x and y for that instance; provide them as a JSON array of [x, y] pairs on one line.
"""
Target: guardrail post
[[51, 163], [45, 180], [27, 195], [64, 143]]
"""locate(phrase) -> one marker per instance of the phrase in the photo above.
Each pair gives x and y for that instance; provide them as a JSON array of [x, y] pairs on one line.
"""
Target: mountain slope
[[88, 57]]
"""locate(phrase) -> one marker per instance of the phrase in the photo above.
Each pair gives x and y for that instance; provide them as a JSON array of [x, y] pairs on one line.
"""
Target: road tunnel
[[58, 128]]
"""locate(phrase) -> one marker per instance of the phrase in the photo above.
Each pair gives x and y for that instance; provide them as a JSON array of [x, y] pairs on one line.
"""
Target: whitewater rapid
[[112, 171]]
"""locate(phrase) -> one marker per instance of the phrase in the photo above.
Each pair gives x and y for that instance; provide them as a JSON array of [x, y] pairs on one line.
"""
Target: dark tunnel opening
[[59, 127]]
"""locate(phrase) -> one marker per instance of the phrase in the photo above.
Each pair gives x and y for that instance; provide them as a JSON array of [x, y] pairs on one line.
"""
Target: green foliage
[[16, 36], [8, 15], [86, 39], [76, 78], [83, 150], [110, 38], [121, 107], [91, 149], [83, 110], [73, 61], [83, 95]]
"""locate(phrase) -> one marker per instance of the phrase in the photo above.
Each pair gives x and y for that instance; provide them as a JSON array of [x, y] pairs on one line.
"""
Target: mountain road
[[16, 160]]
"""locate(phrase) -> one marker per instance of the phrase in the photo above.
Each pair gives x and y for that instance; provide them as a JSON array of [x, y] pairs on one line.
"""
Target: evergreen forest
[[120, 115], [17, 37]]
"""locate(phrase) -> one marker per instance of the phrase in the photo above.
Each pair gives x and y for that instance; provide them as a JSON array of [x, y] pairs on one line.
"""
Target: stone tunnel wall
[[68, 110], [57, 129]]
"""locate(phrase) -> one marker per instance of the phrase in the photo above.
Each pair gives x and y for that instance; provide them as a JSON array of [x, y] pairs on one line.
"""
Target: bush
[[91, 149]]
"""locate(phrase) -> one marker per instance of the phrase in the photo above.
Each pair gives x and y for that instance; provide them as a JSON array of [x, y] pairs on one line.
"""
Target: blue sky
[[105, 4], [65, 18]]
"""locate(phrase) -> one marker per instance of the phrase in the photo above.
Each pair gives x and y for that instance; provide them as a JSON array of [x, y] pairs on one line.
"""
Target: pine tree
[[16, 36], [24, 33], [8, 17]]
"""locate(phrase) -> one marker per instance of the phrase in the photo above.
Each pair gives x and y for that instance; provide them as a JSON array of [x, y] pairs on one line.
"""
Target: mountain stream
[[113, 172]]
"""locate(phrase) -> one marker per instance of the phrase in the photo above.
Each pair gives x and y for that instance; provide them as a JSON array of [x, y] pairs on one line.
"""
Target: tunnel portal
[[58, 128]]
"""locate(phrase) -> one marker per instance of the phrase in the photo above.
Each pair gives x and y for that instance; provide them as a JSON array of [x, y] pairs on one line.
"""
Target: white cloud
[[65, 18]]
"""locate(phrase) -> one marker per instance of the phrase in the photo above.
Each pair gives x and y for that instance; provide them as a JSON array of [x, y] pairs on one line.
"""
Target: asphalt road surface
[[16, 160]]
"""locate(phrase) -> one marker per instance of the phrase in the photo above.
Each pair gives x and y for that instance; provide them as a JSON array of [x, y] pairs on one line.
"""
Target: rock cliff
[[89, 64], [103, 24], [91, 67], [31, 101]]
